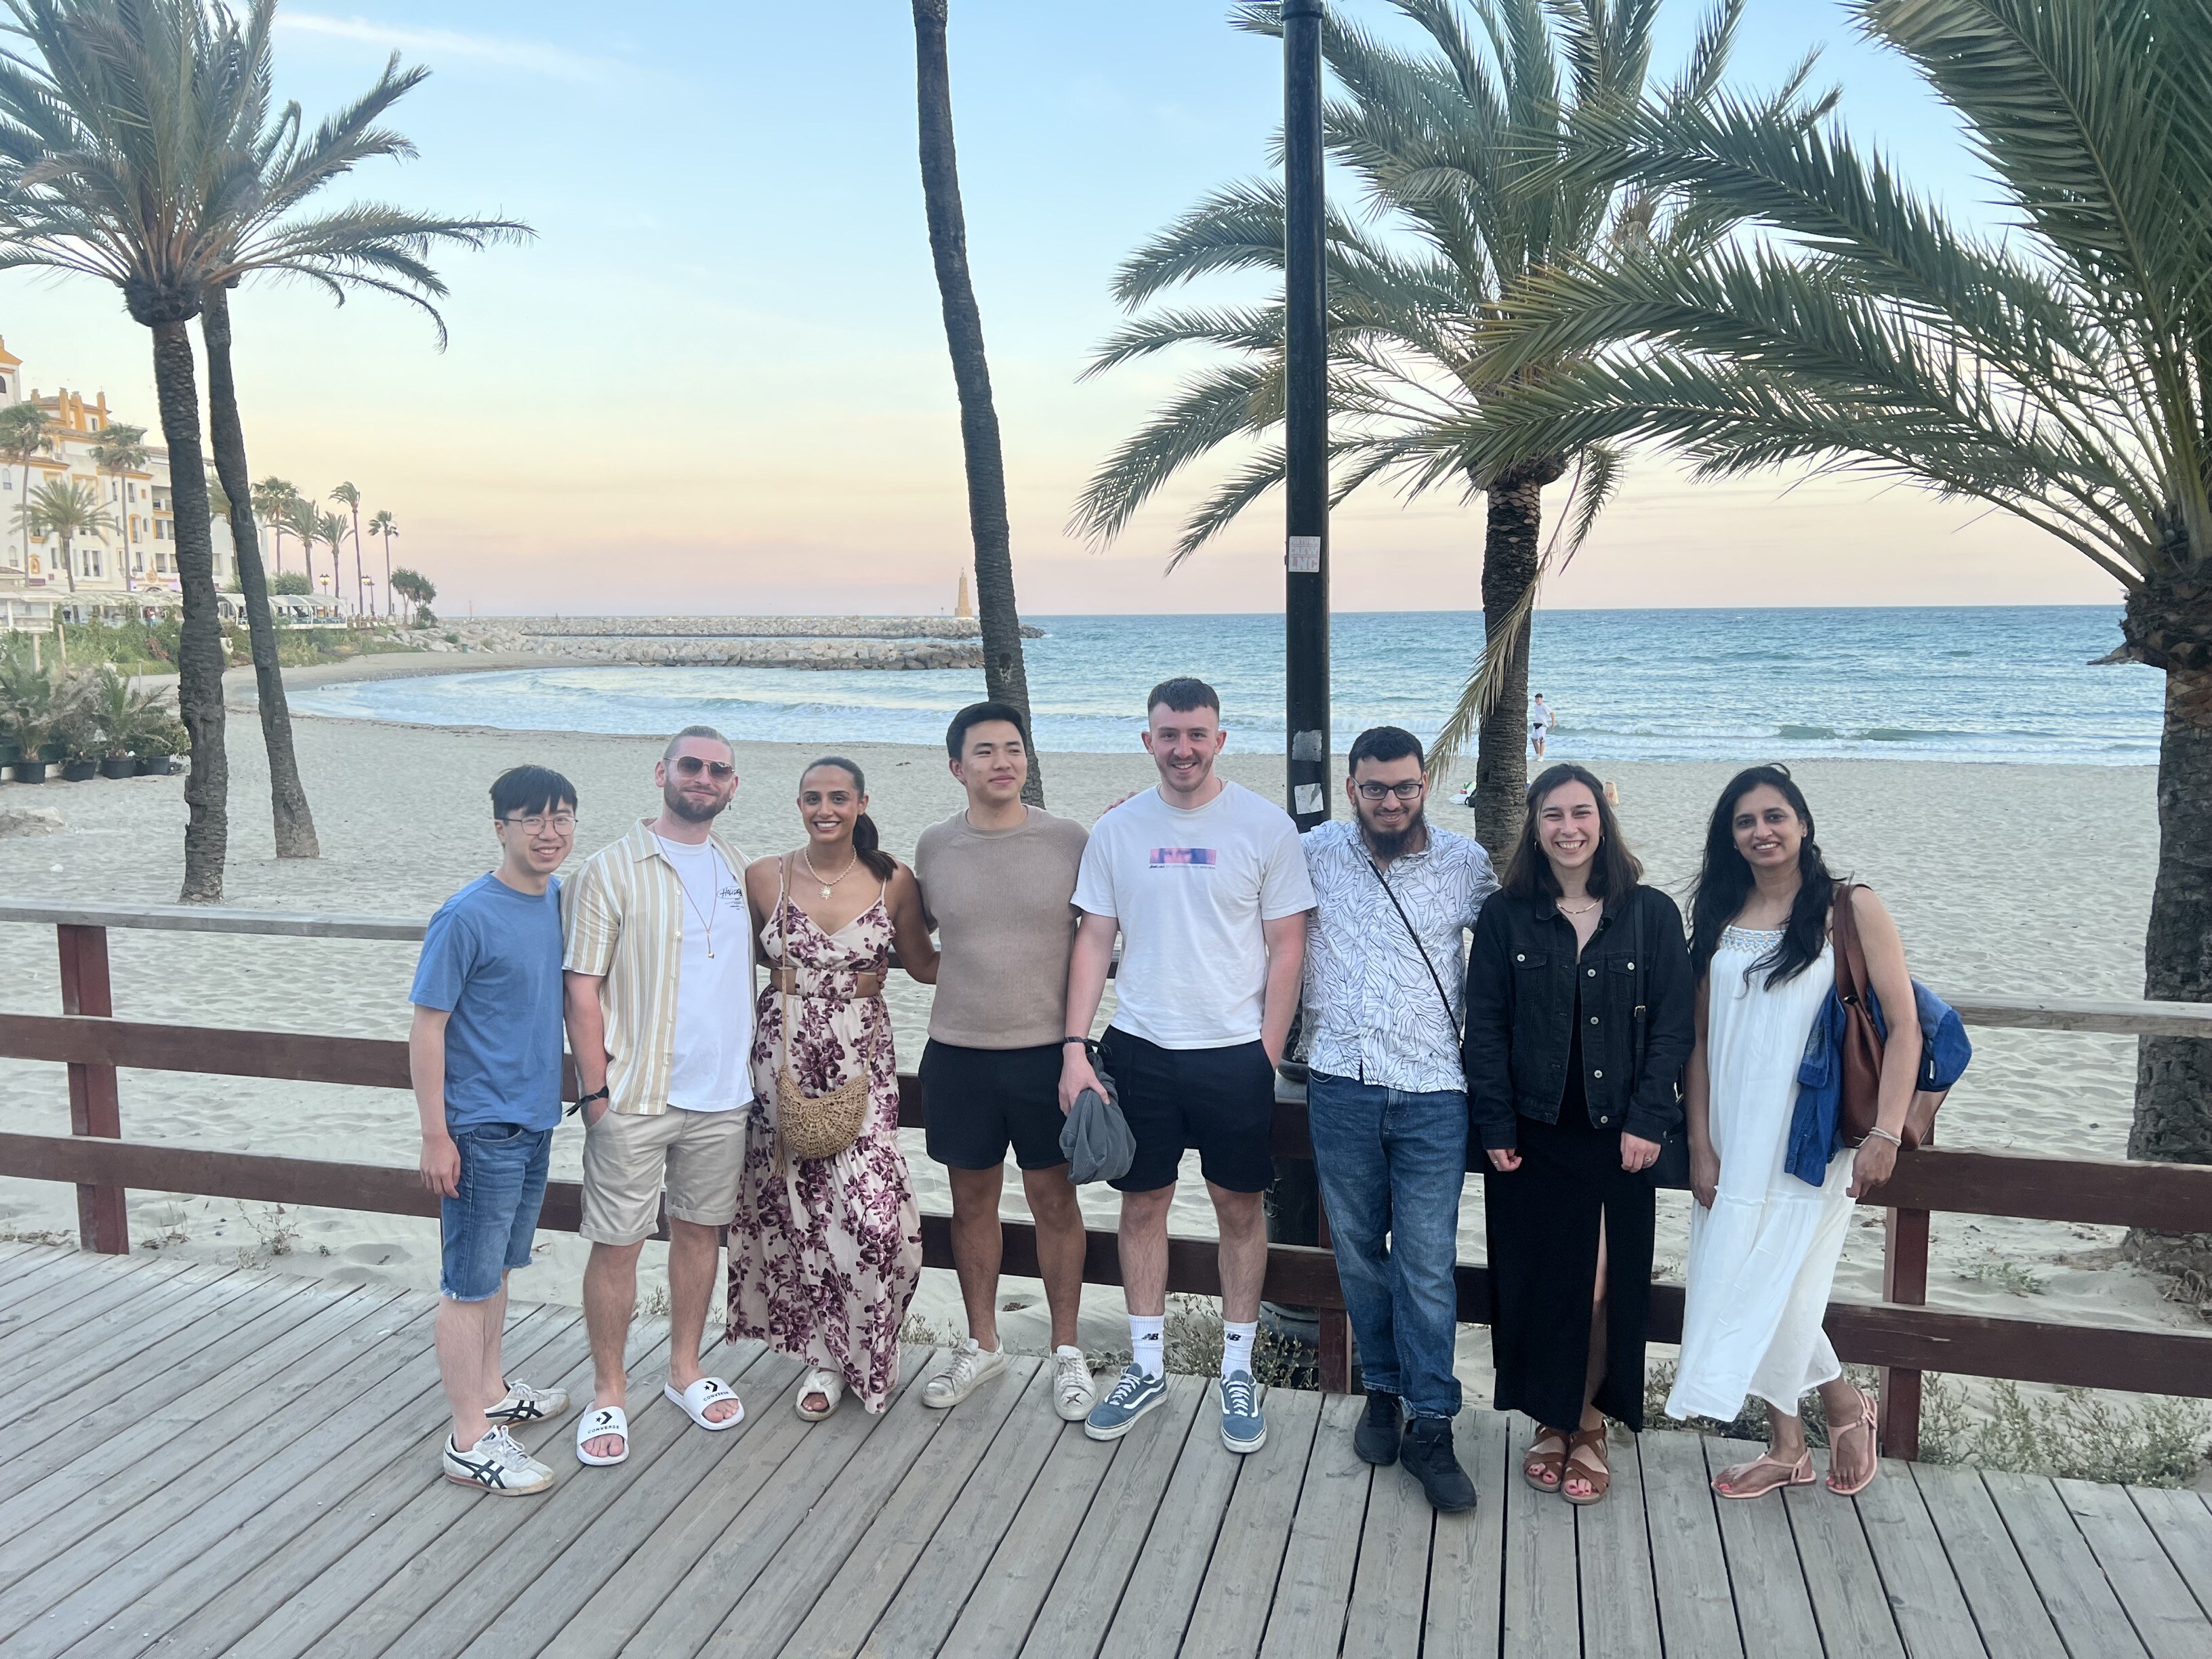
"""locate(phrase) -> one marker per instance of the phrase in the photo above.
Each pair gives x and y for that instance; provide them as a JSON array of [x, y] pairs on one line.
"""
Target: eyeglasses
[[537, 824], [691, 766], [1409, 790]]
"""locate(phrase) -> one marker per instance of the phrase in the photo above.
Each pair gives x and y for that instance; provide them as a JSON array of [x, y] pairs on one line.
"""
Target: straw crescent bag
[[813, 1126]]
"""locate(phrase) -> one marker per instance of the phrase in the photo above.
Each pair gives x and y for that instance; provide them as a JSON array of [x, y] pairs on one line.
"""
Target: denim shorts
[[489, 1222]]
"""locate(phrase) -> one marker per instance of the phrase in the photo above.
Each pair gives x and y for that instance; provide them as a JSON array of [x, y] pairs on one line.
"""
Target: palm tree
[[1456, 147], [25, 433], [270, 498], [1006, 678], [65, 508], [331, 531], [351, 497], [122, 449], [417, 589], [298, 515], [2059, 376], [386, 526]]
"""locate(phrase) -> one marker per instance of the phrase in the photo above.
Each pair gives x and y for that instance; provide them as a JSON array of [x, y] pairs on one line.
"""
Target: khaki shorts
[[628, 1156]]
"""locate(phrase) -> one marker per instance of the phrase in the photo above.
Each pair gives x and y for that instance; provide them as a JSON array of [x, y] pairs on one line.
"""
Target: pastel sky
[[717, 380]]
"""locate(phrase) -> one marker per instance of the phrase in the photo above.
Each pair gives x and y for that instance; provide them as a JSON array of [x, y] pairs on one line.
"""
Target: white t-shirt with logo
[[1191, 889], [711, 1069]]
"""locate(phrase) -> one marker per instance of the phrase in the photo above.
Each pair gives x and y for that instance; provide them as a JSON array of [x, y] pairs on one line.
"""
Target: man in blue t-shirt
[[485, 1055]]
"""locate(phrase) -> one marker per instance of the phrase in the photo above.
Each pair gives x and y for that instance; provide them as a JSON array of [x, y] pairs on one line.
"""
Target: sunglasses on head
[[691, 766]]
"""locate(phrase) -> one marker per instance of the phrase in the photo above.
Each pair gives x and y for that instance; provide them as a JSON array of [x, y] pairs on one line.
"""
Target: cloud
[[532, 57]]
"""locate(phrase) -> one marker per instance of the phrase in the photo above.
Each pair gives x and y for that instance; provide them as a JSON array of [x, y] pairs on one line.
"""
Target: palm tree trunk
[[69, 560], [389, 610], [1509, 563], [287, 796], [200, 660], [1005, 678]]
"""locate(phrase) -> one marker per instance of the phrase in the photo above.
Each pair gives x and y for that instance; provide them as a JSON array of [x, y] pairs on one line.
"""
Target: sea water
[[1994, 684]]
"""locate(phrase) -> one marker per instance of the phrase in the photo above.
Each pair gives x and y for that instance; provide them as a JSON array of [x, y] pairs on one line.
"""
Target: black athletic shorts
[[977, 1101], [1220, 1102]]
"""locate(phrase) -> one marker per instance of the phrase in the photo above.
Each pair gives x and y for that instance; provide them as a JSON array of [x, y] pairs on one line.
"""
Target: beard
[[683, 806], [1387, 846]]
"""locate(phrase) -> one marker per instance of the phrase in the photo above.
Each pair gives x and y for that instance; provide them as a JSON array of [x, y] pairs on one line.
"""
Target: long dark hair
[[1726, 882], [867, 844], [1615, 872]]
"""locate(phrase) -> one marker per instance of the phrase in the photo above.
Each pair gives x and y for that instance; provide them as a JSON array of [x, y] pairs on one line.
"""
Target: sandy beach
[[2005, 879]]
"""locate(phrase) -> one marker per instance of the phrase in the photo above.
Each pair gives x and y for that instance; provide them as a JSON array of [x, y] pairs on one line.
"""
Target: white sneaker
[[1073, 1394], [496, 1463], [525, 1404], [971, 1368]]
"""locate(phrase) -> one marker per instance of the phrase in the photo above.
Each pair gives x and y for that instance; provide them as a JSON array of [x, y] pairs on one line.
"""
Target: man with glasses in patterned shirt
[[1386, 1098]]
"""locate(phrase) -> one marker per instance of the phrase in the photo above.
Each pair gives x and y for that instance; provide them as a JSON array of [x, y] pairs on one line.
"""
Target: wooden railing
[[1900, 1335]]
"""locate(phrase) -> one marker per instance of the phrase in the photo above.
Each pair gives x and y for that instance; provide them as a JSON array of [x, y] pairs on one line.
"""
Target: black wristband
[[582, 1101], [1086, 1042]]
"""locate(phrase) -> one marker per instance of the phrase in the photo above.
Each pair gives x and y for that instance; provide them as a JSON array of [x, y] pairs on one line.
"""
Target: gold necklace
[[834, 880], [1584, 911], [706, 920]]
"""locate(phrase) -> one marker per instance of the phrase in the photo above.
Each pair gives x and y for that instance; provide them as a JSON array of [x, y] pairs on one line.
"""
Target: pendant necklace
[[834, 880], [705, 919]]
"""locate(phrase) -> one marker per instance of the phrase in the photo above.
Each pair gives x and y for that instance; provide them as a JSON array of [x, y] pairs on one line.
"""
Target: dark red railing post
[[1903, 1280], [94, 1107]]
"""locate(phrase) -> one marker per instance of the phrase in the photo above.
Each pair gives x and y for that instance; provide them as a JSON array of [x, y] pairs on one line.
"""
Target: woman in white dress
[[1763, 1243]]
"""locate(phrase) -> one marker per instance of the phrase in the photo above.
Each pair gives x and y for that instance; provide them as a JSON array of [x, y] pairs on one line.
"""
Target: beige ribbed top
[[1003, 902]]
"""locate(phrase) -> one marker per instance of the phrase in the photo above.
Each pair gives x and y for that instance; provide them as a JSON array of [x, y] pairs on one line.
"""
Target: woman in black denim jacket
[[1579, 1020]]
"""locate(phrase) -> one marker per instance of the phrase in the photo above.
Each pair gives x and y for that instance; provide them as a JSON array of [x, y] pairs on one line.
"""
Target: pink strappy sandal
[[1763, 1474], [1864, 1422]]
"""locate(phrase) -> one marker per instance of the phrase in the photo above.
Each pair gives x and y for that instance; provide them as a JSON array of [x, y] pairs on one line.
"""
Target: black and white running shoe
[[525, 1404], [496, 1463]]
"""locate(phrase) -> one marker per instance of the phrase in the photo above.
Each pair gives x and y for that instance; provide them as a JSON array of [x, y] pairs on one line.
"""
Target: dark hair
[[1182, 695], [674, 742], [955, 735], [1725, 882], [1614, 871], [865, 842], [1384, 742], [527, 789]]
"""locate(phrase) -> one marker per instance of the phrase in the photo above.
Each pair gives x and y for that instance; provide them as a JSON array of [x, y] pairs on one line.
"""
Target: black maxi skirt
[[1543, 1221]]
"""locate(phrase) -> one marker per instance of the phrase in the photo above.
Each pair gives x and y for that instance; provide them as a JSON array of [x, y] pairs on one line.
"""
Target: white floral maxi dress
[[1763, 1258], [824, 1255]]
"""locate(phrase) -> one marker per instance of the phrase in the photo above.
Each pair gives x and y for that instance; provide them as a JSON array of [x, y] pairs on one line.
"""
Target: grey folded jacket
[[1096, 1138]]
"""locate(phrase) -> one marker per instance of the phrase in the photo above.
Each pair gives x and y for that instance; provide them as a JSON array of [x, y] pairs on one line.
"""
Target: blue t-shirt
[[492, 959]]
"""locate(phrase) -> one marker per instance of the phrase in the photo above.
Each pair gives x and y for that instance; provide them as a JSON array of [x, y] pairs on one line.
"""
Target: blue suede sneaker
[[1133, 1395], [1242, 1428]]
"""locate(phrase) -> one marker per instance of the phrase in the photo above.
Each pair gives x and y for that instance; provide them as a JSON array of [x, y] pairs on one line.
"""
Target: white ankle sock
[[1148, 1339], [1236, 1346]]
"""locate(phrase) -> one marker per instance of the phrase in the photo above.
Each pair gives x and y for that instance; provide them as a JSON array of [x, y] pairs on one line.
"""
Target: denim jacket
[[1522, 977]]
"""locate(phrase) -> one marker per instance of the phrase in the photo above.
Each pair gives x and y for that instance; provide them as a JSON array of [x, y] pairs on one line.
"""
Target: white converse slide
[[702, 1393], [826, 1385], [600, 1423]]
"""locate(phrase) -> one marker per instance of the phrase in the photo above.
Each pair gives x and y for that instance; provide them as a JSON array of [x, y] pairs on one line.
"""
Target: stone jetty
[[829, 642]]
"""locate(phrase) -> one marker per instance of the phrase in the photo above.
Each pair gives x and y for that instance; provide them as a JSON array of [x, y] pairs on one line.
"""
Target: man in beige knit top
[[998, 880]]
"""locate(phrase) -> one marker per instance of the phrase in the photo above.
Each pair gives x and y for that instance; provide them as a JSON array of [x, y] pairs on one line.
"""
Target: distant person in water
[[484, 1054], [1541, 721]]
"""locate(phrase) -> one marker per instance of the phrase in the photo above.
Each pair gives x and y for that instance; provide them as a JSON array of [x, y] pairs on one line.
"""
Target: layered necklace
[[833, 880]]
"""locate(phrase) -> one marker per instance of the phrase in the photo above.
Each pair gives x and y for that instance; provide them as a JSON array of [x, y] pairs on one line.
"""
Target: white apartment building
[[129, 570]]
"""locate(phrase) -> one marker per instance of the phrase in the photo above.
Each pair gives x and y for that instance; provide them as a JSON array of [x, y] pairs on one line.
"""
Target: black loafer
[[1376, 1437], [1429, 1458]]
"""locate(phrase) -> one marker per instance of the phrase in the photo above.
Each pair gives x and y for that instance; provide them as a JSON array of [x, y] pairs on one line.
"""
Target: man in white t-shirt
[[659, 995], [1541, 721], [1207, 886]]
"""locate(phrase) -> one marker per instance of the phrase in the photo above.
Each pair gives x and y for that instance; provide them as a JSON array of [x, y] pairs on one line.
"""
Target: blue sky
[[717, 380]]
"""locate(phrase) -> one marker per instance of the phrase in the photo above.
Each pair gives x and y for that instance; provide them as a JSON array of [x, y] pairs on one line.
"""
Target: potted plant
[[76, 727], [26, 698], [159, 744], [122, 713]]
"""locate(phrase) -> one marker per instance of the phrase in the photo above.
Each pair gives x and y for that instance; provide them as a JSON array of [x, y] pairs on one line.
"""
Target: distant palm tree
[[351, 497], [270, 498], [415, 588], [330, 529], [25, 433], [386, 526], [122, 449], [65, 508], [298, 514]]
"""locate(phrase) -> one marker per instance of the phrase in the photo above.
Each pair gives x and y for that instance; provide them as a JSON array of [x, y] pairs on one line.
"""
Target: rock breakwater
[[824, 642]]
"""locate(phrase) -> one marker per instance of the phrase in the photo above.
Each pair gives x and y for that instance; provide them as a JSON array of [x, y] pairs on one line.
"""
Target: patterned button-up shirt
[[623, 916], [1370, 1006]]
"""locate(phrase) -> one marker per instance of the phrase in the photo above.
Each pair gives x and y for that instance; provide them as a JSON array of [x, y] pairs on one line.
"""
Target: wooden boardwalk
[[206, 1460]]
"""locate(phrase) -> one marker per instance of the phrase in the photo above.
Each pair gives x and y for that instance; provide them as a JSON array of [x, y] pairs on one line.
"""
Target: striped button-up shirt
[[623, 915], [1371, 1005]]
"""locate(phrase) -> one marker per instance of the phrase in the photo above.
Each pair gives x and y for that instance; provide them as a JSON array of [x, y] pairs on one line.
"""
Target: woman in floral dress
[[825, 1252]]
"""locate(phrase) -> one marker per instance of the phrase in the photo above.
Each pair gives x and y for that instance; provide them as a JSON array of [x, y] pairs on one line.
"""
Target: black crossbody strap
[[1642, 1020], [1419, 950]]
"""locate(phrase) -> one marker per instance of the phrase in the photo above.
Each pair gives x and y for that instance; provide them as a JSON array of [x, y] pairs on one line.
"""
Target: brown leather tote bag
[[1863, 1040]]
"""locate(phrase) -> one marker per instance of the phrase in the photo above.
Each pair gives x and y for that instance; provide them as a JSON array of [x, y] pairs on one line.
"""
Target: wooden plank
[[1697, 1614], [2076, 1592], [1467, 1552], [186, 1313], [1923, 1587], [1231, 1615], [2007, 1609], [60, 1318], [919, 1617], [1313, 1592], [1542, 1616], [2167, 1618], [1172, 1566], [1848, 1601], [1076, 1613], [37, 1277], [76, 1339], [1390, 1576], [872, 1570], [2143, 1019], [2112, 1191], [2183, 1527], [211, 919], [1613, 1547], [1773, 1608], [217, 1051]]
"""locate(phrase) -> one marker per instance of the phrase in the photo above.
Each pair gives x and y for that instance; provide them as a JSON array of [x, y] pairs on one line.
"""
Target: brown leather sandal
[[1598, 1478], [1535, 1465], [1763, 1474]]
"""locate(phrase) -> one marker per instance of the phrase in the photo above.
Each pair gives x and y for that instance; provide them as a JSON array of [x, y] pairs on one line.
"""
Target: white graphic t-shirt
[[711, 1070], [1191, 889]]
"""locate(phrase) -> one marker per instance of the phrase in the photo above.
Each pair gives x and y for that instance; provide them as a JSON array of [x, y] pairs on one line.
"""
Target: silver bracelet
[[1884, 1134]]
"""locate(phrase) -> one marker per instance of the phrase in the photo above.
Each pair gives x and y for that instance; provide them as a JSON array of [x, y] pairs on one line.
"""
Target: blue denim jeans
[[1391, 1166], [487, 1225]]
